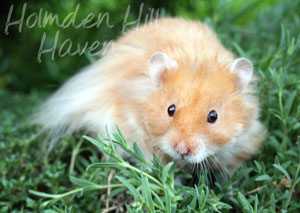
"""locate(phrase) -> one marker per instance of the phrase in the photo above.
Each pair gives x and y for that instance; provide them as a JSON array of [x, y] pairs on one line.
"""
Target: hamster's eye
[[212, 116], [171, 110]]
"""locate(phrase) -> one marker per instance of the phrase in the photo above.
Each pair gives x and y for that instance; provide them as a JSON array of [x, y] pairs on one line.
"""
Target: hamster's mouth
[[196, 158]]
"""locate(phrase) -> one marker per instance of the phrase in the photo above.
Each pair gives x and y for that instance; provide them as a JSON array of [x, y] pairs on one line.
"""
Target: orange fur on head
[[195, 93]]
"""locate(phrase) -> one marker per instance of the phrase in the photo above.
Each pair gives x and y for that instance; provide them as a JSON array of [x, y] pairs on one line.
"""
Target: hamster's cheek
[[220, 134], [230, 122], [155, 116]]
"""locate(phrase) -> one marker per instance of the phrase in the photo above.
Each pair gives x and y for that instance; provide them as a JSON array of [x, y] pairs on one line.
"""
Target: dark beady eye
[[212, 116], [171, 110]]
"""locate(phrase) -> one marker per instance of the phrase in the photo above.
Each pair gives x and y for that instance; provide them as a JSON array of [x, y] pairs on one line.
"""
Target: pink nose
[[182, 149]]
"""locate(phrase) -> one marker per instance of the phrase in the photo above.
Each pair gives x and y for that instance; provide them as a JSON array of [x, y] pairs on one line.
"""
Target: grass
[[76, 177]]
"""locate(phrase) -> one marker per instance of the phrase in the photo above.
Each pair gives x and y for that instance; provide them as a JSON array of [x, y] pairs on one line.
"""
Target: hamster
[[172, 87]]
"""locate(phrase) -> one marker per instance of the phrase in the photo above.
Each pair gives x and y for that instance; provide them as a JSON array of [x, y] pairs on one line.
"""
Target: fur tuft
[[73, 106]]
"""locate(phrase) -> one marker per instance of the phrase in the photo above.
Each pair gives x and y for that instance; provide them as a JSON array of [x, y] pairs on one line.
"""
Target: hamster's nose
[[182, 149]]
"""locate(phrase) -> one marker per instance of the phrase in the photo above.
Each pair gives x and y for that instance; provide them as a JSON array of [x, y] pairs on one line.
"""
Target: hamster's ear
[[244, 69], [160, 63]]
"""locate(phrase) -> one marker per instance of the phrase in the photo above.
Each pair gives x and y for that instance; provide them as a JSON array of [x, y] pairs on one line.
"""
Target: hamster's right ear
[[244, 69], [160, 63]]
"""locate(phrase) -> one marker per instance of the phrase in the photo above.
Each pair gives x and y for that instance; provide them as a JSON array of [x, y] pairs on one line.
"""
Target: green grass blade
[[147, 193], [286, 174], [131, 188]]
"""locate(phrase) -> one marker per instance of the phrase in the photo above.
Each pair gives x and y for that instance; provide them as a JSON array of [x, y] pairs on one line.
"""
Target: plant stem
[[74, 154], [144, 173], [292, 189], [59, 196]]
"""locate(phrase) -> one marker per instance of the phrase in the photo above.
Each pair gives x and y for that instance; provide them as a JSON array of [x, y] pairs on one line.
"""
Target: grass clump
[[146, 186]]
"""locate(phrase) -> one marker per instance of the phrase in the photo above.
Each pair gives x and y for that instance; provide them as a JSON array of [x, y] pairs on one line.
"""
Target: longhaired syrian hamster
[[170, 86]]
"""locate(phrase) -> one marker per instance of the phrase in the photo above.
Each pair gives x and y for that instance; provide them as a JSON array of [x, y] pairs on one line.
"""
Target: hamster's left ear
[[244, 69], [159, 64]]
